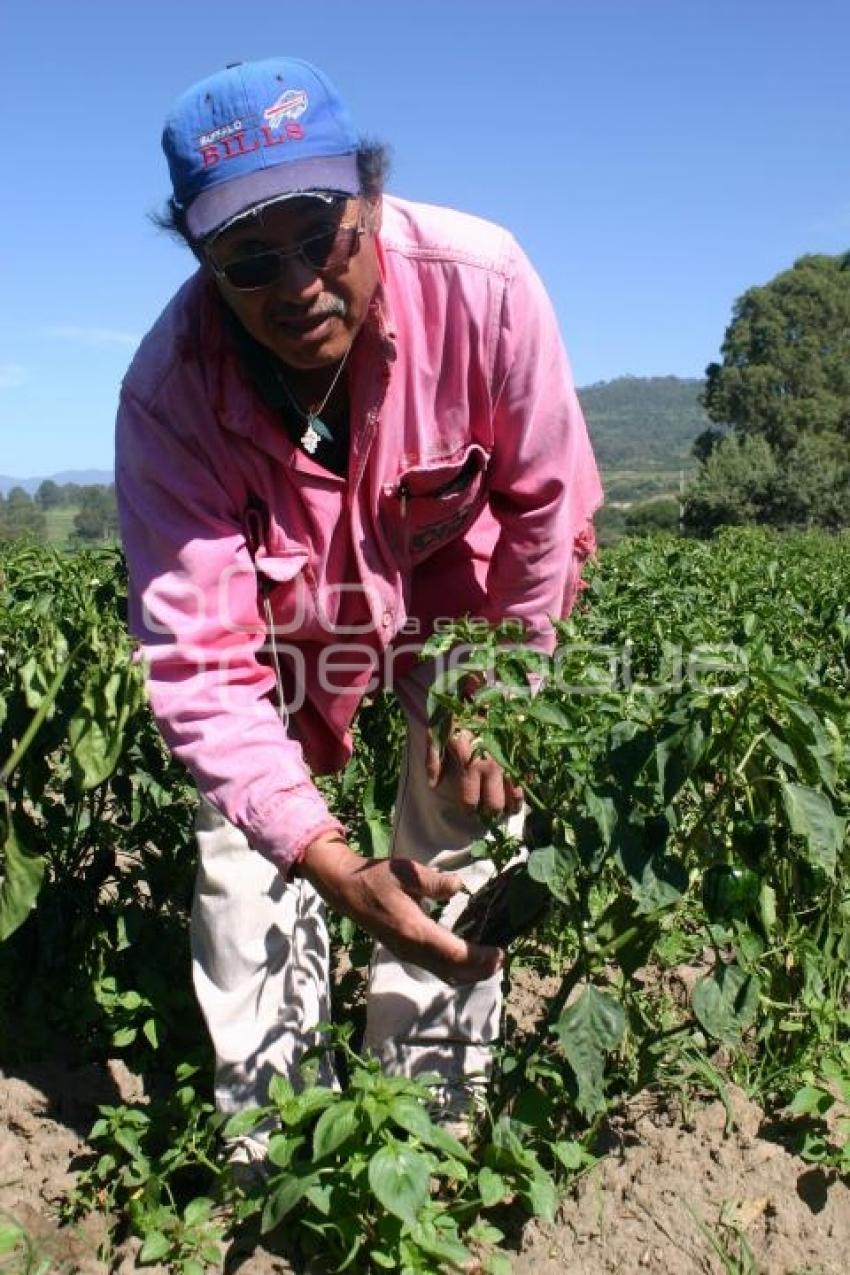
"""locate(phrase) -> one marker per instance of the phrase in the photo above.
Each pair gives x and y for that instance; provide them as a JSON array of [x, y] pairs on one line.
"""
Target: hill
[[644, 422]]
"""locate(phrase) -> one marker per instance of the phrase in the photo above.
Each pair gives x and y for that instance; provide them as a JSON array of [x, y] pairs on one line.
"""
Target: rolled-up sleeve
[[194, 609]]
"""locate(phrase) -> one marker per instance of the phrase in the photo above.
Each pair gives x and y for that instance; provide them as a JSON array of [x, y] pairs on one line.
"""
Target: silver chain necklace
[[316, 431]]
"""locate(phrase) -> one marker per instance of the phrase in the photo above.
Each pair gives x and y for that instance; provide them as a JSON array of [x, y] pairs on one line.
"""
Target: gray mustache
[[324, 306]]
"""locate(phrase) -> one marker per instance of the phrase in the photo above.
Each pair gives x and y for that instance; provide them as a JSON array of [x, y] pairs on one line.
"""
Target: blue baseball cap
[[256, 132]]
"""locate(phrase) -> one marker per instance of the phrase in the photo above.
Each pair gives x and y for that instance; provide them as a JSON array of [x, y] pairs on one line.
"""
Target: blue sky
[[654, 157]]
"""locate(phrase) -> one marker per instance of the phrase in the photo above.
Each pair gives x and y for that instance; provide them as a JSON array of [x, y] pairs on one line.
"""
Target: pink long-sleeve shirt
[[470, 489]]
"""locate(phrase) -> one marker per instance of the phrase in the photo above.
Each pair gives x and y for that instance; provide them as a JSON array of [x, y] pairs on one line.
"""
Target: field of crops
[[673, 1093]]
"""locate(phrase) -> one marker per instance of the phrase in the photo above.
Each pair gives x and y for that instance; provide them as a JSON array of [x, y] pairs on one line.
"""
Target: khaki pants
[[261, 959]]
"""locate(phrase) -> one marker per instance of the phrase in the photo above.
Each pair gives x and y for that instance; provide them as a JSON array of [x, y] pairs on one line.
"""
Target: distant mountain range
[[85, 478], [642, 424]]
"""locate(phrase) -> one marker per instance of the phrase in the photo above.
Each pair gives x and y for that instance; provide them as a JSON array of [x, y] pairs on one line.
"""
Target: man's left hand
[[482, 784]]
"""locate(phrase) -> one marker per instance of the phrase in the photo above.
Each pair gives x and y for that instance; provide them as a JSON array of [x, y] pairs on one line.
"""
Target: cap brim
[[216, 207]]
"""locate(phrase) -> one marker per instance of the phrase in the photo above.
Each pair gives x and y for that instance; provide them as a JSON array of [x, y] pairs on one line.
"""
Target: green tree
[[19, 516], [733, 486], [705, 443], [811, 485], [49, 495], [98, 516], [71, 493], [653, 515], [786, 356]]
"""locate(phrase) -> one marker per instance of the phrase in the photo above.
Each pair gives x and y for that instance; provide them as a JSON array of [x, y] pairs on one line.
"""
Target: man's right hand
[[382, 896]]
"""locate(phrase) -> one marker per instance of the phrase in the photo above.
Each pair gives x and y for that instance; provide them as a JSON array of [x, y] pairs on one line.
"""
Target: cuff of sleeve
[[283, 829]]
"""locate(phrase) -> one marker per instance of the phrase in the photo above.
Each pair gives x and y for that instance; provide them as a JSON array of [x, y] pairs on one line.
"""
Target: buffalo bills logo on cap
[[288, 106]]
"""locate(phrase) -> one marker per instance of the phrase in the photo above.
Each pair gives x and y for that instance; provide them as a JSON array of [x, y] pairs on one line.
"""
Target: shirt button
[[387, 619]]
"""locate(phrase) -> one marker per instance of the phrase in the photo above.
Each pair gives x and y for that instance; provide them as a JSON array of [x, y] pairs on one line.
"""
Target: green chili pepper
[[729, 893], [752, 842]]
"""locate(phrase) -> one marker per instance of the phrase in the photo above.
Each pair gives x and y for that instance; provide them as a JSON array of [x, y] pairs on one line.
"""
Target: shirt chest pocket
[[431, 504], [285, 578]]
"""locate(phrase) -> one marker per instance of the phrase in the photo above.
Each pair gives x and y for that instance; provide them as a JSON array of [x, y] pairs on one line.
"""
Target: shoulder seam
[[500, 266], [130, 387]]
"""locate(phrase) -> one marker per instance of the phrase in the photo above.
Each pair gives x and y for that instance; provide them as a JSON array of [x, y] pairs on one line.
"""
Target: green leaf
[[810, 1101], [280, 1090], [96, 730], [447, 1249], [554, 867], [242, 1122], [399, 1176], [492, 1187], [812, 746], [588, 1030], [497, 1264], [572, 1155], [10, 1235], [155, 1248], [377, 825], [149, 1030], [676, 757], [484, 1232], [781, 751], [23, 874], [124, 1036], [812, 817], [281, 1149], [603, 813], [441, 1140], [725, 1002], [198, 1210], [491, 746], [508, 1148], [309, 1102], [284, 1197], [542, 1196], [412, 1116], [380, 836], [321, 1197], [657, 880], [334, 1127], [548, 714], [626, 934]]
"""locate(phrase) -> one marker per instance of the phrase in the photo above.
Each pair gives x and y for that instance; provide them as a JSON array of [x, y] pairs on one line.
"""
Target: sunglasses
[[330, 248]]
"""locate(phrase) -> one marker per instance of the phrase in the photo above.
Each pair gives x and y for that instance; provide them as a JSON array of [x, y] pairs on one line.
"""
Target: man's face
[[309, 315]]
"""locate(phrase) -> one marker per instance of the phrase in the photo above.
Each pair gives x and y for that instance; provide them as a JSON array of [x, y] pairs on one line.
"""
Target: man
[[355, 418]]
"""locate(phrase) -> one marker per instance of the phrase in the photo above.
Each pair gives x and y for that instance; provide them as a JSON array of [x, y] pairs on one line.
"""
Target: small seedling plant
[[362, 1178]]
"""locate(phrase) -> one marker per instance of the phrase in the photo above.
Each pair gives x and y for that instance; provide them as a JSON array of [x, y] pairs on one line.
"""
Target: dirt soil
[[671, 1178], [669, 1184]]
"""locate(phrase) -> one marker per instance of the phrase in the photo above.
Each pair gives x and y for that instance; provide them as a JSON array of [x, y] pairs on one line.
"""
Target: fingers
[[440, 886], [483, 786], [387, 907], [514, 797], [421, 882], [418, 940], [486, 788], [433, 762]]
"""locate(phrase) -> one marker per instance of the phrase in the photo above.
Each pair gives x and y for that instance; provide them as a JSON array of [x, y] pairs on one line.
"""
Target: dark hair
[[373, 166]]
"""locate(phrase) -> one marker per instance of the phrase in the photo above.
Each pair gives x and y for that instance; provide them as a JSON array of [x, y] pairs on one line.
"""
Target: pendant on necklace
[[310, 439], [315, 433]]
